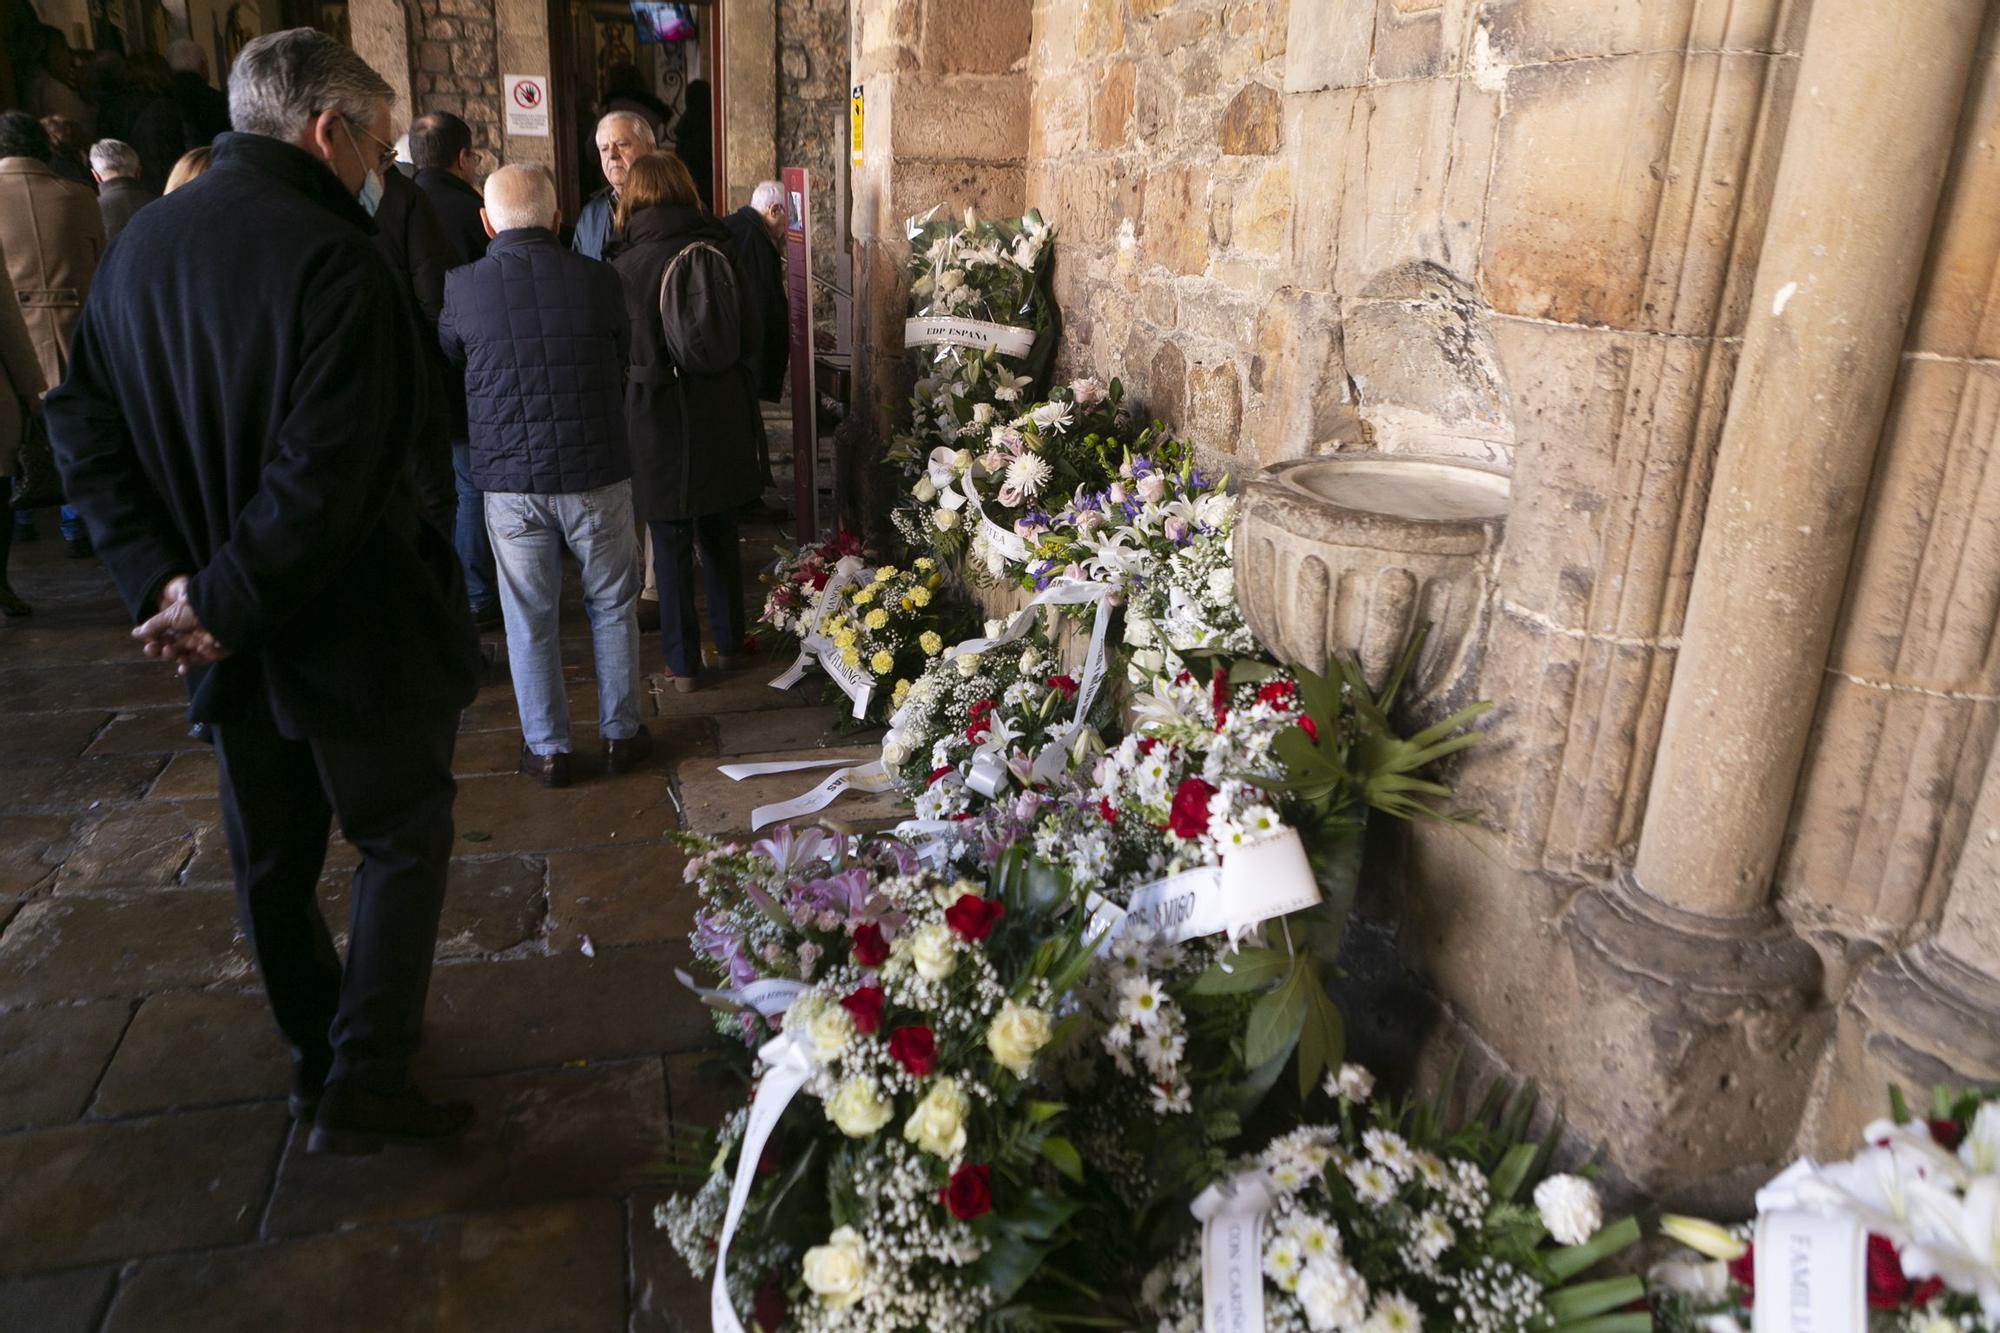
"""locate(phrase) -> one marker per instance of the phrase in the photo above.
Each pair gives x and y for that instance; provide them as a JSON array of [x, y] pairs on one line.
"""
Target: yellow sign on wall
[[854, 144]]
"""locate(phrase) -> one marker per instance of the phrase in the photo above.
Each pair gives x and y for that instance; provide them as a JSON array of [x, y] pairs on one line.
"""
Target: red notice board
[[805, 393]]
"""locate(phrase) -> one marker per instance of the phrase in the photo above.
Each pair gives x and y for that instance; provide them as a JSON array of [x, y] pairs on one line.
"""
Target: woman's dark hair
[[21, 135], [657, 178]]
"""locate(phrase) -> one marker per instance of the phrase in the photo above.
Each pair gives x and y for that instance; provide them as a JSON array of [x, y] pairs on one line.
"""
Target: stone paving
[[152, 1178]]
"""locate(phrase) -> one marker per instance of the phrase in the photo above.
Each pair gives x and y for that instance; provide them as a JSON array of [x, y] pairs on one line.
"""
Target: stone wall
[[812, 112], [455, 64]]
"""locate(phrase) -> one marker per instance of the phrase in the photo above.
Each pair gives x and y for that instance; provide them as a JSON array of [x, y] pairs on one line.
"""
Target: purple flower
[[791, 851], [844, 893]]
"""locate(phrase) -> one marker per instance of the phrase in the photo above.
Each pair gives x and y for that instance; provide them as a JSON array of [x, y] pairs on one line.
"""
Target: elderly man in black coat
[[758, 229], [235, 428]]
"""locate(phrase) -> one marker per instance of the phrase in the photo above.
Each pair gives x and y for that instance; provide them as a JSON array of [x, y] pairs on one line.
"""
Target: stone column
[[751, 94], [1879, 95], [381, 36], [521, 45]]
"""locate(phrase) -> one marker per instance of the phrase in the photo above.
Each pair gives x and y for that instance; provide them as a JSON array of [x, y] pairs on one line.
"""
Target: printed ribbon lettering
[[1267, 879], [769, 997], [933, 330], [1232, 1253], [812, 646], [1811, 1274]]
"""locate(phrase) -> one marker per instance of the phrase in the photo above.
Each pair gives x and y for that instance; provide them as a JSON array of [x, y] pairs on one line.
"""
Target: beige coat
[[20, 378], [52, 235]]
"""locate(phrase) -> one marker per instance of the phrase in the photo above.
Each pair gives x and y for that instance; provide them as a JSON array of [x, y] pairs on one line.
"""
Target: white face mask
[[369, 196]]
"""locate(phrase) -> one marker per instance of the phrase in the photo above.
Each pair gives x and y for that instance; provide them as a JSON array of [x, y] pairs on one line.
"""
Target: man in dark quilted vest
[[543, 337]]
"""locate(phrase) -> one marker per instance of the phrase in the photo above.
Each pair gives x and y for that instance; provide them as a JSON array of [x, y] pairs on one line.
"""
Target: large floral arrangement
[[876, 634], [796, 579], [1925, 1190], [1384, 1221]]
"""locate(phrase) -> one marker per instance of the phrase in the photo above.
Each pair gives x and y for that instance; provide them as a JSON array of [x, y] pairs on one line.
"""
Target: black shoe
[[649, 614], [626, 755], [354, 1121], [551, 770], [489, 619], [11, 605], [308, 1084], [79, 548]]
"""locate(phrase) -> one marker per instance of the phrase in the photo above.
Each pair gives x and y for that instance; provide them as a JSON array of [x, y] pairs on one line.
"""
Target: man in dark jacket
[[204, 111], [758, 229], [543, 338], [114, 165], [234, 428], [441, 147], [622, 138], [413, 244]]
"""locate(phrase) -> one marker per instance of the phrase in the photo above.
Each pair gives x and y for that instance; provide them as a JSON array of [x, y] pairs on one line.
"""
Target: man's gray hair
[[767, 195], [283, 79], [520, 195], [185, 56], [110, 158], [642, 129]]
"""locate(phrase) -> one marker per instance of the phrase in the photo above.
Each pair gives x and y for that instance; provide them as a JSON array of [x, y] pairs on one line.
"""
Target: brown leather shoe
[[353, 1121], [551, 770], [626, 755]]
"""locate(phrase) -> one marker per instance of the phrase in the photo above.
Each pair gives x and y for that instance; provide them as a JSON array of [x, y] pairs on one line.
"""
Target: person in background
[[441, 146], [758, 231], [242, 464], [625, 90], [403, 162], [48, 80], [204, 110], [694, 450], [622, 139], [542, 336], [21, 389], [52, 236], [410, 239], [193, 162], [153, 123], [71, 156], [694, 143], [115, 164]]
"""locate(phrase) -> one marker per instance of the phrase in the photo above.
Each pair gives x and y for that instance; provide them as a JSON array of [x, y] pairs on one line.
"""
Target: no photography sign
[[527, 100]]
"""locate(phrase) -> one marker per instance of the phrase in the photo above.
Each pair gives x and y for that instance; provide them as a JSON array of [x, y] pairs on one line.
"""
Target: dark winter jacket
[[117, 200], [241, 411], [457, 205], [408, 236], [595, 237], [694, 437], [204, 109], [543, 338], [758, 260]]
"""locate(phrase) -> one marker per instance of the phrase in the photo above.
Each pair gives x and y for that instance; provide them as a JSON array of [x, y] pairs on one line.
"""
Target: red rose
[[1064, 685], [1310, 728], [969, 1193], [1104, 810], [770, 1308], [1888, 1288], [870, 949], [1218, 695], [1146, 745], [973, 918], [866, 1006], [915, 1049], [818, 579], [1279, 694], [1743, 1272], [1184, 678], [1189, 816], [1946, 1134]]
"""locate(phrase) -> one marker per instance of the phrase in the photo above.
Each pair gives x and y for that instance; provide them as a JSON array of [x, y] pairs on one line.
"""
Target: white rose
[[1016, 1034], [836, 1269], [857, 1110], [894, 752], [1222, 585], [1116, 493], [982, 414], [1151, 487], [945, 520], [829, 1031], [995, 628], [1086, 391], [1148, 662], [1031, 658], [968, 664], [1138, 631], [924, 490], [933, 954], [1570, 1209], [938, 1124], [1351, 1084]]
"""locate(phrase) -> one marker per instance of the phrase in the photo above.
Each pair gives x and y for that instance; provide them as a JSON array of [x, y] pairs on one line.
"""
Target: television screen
[[661, 21]]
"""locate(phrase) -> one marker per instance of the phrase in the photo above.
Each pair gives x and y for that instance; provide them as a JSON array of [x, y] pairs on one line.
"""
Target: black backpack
[[699, 313]]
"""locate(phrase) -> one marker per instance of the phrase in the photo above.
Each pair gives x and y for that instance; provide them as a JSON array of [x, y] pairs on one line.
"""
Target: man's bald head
[[519, 196]]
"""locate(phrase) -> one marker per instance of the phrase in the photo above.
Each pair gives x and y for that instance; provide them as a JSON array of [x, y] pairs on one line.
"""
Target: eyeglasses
[[387, 157]]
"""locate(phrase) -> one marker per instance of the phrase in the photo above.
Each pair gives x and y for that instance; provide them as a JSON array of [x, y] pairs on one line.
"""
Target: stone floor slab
[[79, 785], [81, 948], [99, 685], [706, 1087], [533, 1013], [719, 807], [206, 1048], [31, 851], [188, 776], [50, 1059], [491, 905], [152, 845], [549, 1267], [511, 814], [744, 691], [618, 895], [147, 731], [549, 1134], [666, 1297], [89, 1193], [70, 1302], [42, 738], [484, 752], [787, 729]]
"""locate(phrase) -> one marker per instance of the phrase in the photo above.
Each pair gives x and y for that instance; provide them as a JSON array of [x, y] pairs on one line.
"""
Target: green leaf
[[1063, 1156], [1322, 1038], [1036, 1215], [1242, 972], [1275, 1022], [1593, 1298], [1632, 1322], [1568, 1262], [1512, 1172], [1008, 1263], [474, 835], [1037, 1112]]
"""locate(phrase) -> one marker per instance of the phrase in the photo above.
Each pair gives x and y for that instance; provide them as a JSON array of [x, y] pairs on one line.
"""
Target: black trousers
[[674, 543], [393, 797]]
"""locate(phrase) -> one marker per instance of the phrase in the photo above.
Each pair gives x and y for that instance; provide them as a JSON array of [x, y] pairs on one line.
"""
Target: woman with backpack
[[690, 405]]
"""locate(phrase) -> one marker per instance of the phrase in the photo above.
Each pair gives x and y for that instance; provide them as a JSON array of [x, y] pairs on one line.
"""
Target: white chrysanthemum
[[1352, 1084], [1283, 1262], [1430, 1169], [1141, 1001], [1333, 1296], [1570, 1208], [1432, 1237], [1028, 474], [1372, 1182], [1391, 1151], [1319, 1239], [1394, 1313]]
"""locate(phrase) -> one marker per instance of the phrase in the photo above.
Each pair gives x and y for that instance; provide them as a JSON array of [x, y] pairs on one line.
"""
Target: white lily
[[1981, 1150], [1957, 1239]]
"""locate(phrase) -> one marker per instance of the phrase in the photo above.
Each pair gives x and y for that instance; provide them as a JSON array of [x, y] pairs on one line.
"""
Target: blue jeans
[[468, 534], [529, 533]]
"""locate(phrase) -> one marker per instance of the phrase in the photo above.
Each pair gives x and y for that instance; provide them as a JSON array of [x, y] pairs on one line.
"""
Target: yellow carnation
[[921, 596], [902, 692], [932, 644], [925, 563], [863, 596], [850, 656], [876, 618], [884, 574], [882, 663]]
